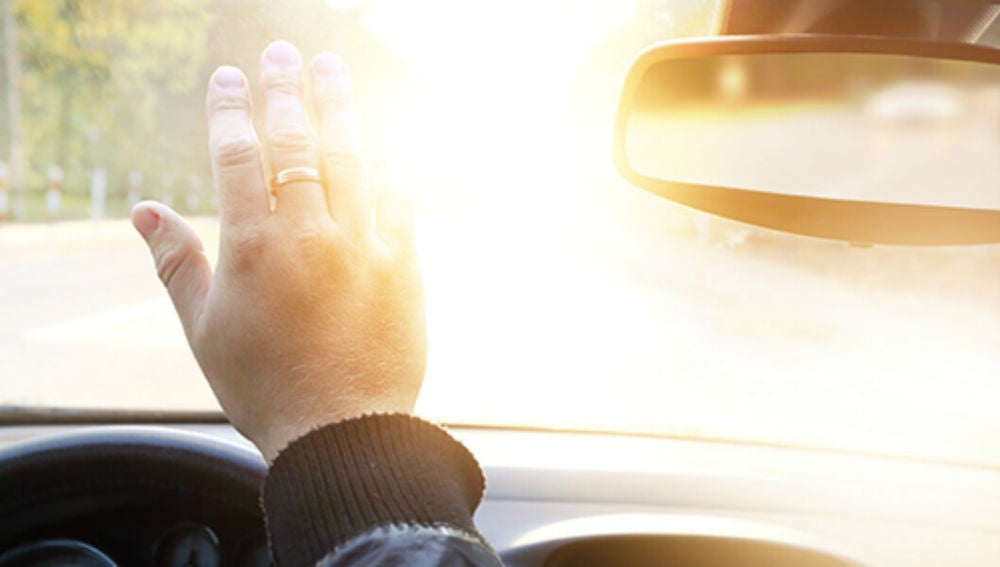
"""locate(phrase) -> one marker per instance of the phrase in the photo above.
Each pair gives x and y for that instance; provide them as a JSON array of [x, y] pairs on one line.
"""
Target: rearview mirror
[[867, 140]]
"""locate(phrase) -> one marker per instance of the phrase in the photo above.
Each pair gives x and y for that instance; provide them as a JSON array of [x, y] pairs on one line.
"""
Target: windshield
[[557, 295]]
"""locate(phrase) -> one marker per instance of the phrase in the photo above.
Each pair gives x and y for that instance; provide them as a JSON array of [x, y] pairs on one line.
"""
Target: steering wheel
[[130, 496]]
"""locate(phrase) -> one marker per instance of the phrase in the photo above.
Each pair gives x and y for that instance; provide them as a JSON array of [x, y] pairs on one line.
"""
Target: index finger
[[236, 159]]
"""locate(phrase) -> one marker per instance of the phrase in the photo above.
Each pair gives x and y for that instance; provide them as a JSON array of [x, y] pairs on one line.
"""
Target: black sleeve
[[380, 489]]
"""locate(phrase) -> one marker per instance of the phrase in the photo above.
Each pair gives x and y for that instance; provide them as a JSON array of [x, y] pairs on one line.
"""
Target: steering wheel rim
[[37, 475]]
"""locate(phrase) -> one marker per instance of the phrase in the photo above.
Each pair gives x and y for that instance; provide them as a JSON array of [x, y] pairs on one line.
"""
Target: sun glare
[[491, 92], [491, 106]]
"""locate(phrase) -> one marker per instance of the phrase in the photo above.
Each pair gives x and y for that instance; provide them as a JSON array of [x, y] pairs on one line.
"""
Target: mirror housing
[[847, 219]]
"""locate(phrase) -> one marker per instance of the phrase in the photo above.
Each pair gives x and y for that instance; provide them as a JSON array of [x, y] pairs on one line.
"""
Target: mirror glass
[[869, 127]]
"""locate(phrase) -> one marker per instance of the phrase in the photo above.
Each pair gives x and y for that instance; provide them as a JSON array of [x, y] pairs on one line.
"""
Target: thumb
[[179, 256]]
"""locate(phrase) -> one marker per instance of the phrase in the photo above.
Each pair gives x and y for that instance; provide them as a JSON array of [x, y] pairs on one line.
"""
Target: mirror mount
[[938, 20]]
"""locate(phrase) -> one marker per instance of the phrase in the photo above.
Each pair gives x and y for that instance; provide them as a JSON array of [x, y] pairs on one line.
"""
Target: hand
[[314, 313]]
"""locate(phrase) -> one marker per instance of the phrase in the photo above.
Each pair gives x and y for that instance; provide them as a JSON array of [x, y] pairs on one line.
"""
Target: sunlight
[[492, 95], [491, 107], [549, 35]]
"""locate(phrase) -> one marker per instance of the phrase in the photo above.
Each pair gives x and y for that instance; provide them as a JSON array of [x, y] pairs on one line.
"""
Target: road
[[86, 323], [794, 342]]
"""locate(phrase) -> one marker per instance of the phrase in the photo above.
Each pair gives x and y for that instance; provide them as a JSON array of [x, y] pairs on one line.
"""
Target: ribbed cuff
[[347, 478]]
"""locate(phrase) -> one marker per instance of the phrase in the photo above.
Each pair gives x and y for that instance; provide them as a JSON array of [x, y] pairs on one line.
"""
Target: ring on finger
[[293, 175]]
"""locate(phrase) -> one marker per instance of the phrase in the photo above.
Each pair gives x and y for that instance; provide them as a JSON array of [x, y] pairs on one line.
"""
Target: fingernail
[[229, 77], [283, 54], [146, 222], [328, 64]]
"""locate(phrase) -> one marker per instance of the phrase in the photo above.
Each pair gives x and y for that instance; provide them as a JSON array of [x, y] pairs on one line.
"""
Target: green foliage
[[119, 84], [98, 80]]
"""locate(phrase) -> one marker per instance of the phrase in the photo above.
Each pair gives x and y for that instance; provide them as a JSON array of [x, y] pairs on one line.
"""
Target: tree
[[95, 76], [13, 99]]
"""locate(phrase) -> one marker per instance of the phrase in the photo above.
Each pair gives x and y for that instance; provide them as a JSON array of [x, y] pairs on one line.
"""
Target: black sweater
[[377, 490]]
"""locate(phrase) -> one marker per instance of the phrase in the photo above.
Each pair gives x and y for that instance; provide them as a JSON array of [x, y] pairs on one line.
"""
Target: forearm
[[377, 487]]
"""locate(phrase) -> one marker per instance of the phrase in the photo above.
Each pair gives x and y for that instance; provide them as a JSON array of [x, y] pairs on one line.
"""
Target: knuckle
[[170, 261], [226, 100], [307, 236], [234, 150], [247, 248], [342, 158], [313, 244], [291, 138], [332, 96], [283, 82]]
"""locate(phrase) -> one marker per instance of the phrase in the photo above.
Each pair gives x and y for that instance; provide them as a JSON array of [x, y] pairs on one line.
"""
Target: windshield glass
[[557, 295]]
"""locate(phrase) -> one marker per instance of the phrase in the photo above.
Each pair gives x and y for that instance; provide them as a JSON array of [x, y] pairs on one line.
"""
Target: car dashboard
[[179, 494]]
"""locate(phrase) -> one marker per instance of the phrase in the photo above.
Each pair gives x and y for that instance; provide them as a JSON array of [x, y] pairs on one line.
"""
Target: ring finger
[[288, 135]]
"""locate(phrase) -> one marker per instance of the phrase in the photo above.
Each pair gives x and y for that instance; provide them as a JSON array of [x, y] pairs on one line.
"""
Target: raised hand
[[314, 313]]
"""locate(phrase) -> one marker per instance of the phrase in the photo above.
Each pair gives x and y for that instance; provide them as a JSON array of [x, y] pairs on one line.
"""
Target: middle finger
[[289, 136]]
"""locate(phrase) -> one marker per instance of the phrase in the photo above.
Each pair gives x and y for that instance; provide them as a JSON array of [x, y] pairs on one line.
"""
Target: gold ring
[[294, 174]]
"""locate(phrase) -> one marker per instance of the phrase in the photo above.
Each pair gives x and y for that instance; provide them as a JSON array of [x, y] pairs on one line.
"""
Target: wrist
[[285, 430], [348, 478]]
